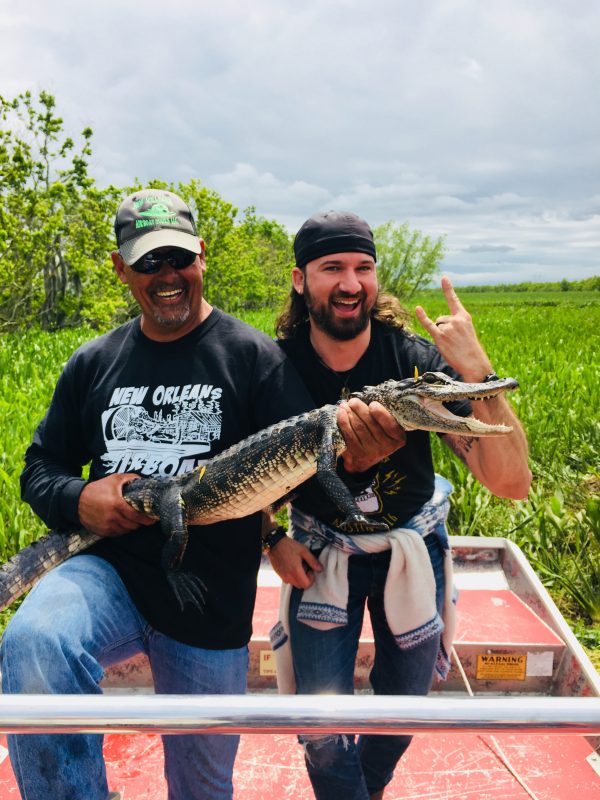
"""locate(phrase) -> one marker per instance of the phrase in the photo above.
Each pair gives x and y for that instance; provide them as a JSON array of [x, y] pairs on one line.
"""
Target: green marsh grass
[[548, 341], [30, 364]]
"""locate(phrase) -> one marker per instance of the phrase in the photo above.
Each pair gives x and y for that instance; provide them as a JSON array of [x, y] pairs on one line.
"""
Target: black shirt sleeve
[[51, 481]]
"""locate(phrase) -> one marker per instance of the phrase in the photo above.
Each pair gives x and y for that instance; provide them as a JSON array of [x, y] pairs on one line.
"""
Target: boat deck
[[507, 643], [435, 767]]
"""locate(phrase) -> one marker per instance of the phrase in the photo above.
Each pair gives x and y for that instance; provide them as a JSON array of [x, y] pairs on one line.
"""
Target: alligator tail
[[25, 568]]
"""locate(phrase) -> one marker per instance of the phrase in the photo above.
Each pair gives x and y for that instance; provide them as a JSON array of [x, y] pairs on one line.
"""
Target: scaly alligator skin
[[260, 471]]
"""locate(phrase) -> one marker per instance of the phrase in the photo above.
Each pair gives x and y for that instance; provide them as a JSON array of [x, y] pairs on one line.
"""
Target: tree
[[406, 259], [56, 231], [261, 256], [55, 225], [248, 260]]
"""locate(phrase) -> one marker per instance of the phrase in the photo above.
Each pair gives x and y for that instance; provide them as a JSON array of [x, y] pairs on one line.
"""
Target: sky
[[471, 120]]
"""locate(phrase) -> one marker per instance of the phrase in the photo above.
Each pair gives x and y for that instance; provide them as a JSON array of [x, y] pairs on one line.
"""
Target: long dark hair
[[387, 309]]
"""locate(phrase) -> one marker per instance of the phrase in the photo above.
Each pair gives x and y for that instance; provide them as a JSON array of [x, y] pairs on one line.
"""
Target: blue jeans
[[78, 620], [338, 766]]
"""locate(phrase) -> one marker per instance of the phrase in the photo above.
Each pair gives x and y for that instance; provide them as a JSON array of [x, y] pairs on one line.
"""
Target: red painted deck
[[492, 616], [436, 767], [484, 615]]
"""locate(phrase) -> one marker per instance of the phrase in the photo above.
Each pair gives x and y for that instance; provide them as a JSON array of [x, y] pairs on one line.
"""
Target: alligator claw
[[188, 588], [358, 523]]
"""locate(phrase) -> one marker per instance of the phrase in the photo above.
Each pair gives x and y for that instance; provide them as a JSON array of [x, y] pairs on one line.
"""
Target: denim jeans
[[78, 620], [338, 766]]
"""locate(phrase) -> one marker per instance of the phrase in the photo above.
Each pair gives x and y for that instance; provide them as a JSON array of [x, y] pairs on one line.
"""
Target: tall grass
[[550, 344], [30, 364]]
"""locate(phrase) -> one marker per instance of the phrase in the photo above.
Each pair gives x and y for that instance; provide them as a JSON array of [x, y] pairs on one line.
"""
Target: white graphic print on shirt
[[167, 439]]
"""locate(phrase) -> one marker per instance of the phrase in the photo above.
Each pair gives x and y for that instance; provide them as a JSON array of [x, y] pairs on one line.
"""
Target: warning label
[[266, 664], [501, 666]]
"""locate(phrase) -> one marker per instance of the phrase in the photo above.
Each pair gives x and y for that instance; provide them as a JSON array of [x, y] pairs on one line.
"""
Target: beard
[[176, 318], [341, 328], [170, 316]]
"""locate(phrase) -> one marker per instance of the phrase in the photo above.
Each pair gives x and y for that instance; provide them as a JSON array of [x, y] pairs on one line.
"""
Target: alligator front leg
[[338, 492], [188, 588]]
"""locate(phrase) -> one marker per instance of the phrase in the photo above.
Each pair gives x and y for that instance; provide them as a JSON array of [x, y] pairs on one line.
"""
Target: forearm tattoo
[[460, 445]]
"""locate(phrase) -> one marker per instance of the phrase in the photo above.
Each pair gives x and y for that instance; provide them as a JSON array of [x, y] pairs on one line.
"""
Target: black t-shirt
[[404, 481], [126, 403]]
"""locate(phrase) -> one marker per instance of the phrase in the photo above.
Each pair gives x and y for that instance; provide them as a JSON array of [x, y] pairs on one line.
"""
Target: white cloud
[[471, 68], [250, 187], [469, 119], [488, 248]]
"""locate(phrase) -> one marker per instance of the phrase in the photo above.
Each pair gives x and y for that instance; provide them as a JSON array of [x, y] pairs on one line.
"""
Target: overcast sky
[[474, 120]]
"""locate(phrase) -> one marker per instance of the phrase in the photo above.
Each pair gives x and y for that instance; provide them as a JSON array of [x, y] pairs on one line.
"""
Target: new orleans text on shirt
[[161, 430]]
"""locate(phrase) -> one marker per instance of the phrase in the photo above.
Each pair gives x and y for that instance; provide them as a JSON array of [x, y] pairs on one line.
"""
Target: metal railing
[[295, 714]]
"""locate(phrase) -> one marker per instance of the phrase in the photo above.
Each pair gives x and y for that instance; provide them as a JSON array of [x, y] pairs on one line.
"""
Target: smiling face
[[171, 300], [340, 291]]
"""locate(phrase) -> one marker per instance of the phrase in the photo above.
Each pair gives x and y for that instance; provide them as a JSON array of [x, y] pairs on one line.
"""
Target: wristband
[[272, 537]]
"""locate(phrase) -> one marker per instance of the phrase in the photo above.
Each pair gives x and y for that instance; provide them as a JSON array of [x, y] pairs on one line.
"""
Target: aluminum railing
[[175, 714]]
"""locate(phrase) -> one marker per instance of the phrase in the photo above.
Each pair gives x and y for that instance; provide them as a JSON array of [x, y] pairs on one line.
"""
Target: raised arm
[[499, 463]]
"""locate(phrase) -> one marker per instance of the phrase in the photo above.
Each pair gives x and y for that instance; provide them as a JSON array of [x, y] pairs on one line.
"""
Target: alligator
[[260, 472]]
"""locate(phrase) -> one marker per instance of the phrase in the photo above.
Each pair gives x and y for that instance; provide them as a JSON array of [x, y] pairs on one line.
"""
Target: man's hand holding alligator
[[370, 432], [104, 511]]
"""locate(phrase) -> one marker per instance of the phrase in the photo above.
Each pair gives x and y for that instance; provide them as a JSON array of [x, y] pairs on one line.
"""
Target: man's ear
[[119, 265], [298, 280], [202, 255]]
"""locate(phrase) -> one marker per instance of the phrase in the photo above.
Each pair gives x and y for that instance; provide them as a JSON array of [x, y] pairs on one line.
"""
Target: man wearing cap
[[178, 384], [342, 334]]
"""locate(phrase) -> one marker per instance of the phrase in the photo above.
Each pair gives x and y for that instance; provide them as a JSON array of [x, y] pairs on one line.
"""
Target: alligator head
[[417, 403]]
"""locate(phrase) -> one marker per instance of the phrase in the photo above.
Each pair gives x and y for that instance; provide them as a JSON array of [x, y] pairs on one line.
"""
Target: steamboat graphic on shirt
[[181, 424]]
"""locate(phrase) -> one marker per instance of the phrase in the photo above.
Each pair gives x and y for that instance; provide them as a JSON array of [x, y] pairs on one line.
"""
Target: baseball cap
[[333, 232], [153, 218]]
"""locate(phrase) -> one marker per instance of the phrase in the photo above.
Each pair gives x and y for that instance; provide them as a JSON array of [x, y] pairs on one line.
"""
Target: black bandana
[[332, 232]]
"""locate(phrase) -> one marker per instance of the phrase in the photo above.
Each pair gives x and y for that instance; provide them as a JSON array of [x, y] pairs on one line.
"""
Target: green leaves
[[406, 259], [56, 234], [249, 258], [56, 227]]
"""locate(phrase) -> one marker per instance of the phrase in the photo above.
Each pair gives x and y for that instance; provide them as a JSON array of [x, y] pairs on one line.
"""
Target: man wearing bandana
[[341, 334]]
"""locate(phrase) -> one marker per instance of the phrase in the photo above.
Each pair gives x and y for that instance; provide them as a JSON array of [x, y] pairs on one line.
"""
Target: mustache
[[167, 287], [349, 295]]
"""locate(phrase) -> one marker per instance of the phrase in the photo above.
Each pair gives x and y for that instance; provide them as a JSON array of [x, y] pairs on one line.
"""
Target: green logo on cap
[[158, 213], [156, 210]]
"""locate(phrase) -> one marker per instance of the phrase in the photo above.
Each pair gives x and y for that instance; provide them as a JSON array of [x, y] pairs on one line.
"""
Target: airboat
[[517, 719]]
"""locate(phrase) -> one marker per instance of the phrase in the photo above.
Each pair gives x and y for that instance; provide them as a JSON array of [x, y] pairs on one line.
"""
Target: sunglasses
[[152, 262]]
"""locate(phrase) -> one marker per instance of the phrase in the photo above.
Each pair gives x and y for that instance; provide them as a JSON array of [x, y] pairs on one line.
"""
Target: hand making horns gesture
[[455, 337]]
